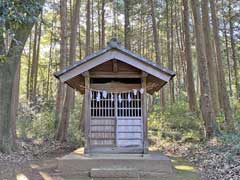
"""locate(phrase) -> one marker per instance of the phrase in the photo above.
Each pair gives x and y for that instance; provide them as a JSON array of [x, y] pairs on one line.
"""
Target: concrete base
[[152, 164]]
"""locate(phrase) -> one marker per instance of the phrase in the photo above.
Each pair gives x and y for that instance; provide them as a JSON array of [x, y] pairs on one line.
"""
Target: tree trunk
[[225, 98], [232, 41], [227, 54], [170, 61], [127, 38], [188, 58], [8, 72], [92, 10], [63, 60], [88, 27], [29, 68], [63, 124], [103, 24], [211, 64], [206, 107], [155, 33]]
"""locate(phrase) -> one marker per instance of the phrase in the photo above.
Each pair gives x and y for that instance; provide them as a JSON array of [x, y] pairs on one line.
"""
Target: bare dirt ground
[[46, 169], [37, 161]]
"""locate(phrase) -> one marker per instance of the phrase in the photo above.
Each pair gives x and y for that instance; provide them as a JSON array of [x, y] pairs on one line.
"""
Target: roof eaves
[[77, 63]]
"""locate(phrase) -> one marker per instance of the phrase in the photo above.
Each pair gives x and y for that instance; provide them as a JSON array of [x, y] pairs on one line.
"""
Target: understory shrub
[[175, 123]]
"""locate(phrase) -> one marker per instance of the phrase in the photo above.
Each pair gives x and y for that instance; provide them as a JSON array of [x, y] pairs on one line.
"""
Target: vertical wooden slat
[[87, 112], [144, 113], [116, 115]]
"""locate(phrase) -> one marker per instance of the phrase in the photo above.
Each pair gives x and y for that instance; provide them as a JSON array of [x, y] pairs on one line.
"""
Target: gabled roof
[[115, 51]]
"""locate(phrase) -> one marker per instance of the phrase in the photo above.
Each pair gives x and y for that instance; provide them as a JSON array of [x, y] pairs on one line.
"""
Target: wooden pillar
[[87, 113], [144, 113]]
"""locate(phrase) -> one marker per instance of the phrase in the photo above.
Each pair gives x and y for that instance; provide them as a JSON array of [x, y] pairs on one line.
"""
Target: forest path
[[46, 169]]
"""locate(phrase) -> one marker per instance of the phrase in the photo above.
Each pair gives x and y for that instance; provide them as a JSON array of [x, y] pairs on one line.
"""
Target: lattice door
[[114, 122], [103, 121], [129, 128]]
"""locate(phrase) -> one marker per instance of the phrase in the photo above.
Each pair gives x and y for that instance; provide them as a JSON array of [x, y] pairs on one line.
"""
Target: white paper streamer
[[112, 97], [141, 90], [129, 97], [134, 92], [120, 98], [91, 95], [104, 93], [98, 96]]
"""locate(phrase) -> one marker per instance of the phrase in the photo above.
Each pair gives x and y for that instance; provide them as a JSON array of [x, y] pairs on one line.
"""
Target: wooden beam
[[115, 87], [144, 115], [87, 116], [115, 66], [115, 75]]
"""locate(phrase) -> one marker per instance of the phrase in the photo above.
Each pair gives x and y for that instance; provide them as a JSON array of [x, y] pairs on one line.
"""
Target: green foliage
[[75, 135], [36, 121], [3, 58], [14, 13], [175, 123]]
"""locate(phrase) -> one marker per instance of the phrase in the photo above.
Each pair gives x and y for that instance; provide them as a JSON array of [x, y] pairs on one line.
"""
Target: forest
[[194, 118]]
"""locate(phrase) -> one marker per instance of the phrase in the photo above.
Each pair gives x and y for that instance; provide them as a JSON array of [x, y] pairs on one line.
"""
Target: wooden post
[[144, 113], [87, 113]]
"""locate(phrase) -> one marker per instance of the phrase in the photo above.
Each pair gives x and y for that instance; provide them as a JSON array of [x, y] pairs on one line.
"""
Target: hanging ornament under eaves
[[134, 92], [104, 93], [98, 96], [141, 90], [129, 97], [119, 98], [91, 94], [112, 97]]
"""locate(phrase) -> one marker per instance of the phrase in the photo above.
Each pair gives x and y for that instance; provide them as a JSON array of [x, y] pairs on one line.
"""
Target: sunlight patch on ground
[[34, 166], [79, 151], [45, 176], [21, 177], [184, 168]]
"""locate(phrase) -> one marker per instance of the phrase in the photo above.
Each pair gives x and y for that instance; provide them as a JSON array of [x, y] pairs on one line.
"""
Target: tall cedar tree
[[211, 63], [206, 106], [63, 124], [188, 58], [225, 98]]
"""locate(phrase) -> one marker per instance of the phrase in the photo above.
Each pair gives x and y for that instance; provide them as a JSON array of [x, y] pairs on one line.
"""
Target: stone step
[[152, 163], [114, 172]]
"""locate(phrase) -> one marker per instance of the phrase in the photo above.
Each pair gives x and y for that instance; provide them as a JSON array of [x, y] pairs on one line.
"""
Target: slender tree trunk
[[50, 60], [211, 64], [63, 124], [29, 68], [232, 41], [225, 98], [88, 25], [207, 111], [103, 24], [155, 32], [170, 61], [227, 55], [127, 30], [188, 58], [99, 25], [34, 65], [92, 25], [63, 60]]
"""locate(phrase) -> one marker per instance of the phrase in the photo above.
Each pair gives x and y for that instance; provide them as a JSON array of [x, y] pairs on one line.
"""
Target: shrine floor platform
[[115, 165]]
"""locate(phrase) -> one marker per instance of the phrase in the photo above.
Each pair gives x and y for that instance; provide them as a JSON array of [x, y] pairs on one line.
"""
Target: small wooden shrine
[[115, 82]]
